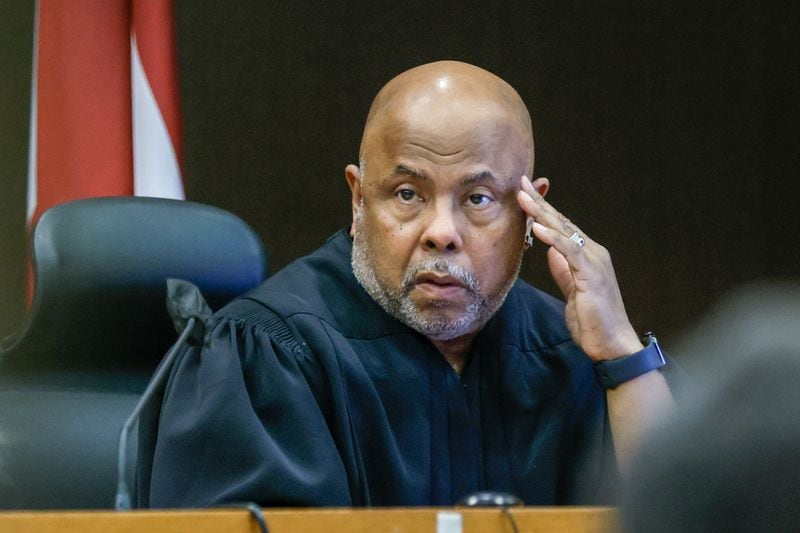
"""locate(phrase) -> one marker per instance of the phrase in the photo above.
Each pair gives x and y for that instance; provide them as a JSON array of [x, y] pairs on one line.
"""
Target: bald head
[[444, 146], [449, 98]]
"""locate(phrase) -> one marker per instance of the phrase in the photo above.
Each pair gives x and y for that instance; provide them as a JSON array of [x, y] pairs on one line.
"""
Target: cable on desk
[[255, 511], [511, 519]]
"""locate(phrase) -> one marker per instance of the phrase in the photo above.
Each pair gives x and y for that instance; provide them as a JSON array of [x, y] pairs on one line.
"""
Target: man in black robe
[[403, 363]]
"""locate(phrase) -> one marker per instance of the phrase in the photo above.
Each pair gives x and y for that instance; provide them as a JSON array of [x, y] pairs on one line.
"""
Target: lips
[[440, 286], [439, 279]]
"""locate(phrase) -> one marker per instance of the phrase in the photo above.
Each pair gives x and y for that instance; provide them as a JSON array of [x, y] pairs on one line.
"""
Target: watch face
[[654, 343], [611, 374], [648, 337]]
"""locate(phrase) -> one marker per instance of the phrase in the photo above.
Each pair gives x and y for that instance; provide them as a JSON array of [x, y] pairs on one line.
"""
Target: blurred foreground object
[[728, 460]]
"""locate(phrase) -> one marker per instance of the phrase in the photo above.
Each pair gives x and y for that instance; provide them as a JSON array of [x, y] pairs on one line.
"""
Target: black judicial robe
[[307, 393]]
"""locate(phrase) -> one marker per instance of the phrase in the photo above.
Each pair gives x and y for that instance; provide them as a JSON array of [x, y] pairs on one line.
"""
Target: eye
[[406, 195], [479, 200]]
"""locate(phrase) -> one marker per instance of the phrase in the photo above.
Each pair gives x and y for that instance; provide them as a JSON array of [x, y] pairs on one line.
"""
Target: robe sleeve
[[242, 421]]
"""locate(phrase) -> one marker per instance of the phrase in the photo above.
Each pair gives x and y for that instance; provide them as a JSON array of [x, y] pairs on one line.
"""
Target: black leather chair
[[96, 331]]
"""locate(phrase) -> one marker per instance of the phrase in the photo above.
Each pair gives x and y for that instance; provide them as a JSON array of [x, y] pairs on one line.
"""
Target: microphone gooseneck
[[190, 316], [122, 501]]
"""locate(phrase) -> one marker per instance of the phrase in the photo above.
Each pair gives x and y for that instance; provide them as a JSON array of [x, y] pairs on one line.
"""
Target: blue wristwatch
[[611, 374]]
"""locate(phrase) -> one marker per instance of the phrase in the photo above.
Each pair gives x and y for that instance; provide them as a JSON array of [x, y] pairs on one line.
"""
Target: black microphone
[[491, 498], [190, 315]]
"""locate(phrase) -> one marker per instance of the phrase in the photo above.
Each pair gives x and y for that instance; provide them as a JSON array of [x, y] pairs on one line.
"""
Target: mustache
[[440, 266]]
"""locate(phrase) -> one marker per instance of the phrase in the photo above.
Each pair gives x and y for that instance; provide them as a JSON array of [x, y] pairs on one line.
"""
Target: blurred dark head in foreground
[[729, 460]]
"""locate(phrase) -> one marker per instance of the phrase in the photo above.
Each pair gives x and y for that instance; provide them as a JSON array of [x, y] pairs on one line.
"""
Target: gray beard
[[396, 301]]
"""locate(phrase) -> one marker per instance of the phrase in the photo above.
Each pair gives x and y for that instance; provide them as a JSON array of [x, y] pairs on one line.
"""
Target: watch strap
[[611, 374]]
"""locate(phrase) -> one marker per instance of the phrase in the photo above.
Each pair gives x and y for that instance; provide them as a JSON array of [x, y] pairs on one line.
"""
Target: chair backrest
[[96, 330]]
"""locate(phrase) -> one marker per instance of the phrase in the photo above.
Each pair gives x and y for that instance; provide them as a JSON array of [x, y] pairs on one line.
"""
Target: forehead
[[452, 134]]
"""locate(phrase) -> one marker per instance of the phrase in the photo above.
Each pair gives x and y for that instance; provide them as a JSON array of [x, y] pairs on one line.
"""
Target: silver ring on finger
[[576, 238]]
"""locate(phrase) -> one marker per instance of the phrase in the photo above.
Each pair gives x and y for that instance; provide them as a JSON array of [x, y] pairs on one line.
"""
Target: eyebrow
[[470, 179], [479, 177], [410, 172]]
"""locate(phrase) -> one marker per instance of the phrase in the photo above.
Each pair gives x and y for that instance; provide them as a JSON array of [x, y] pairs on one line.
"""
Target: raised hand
[[582, 268]]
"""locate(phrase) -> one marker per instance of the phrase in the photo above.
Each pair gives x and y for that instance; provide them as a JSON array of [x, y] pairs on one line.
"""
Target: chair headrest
[[101, 267]]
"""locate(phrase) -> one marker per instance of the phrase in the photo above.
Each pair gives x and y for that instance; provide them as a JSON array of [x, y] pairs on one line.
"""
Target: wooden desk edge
[[374, 520]]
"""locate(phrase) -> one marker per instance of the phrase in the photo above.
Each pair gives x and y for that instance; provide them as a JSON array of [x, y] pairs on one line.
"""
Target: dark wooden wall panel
[[669, 131]]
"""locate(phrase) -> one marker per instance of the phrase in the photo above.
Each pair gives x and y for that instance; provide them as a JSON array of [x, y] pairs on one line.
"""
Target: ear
[[542, 185], [353, 176]]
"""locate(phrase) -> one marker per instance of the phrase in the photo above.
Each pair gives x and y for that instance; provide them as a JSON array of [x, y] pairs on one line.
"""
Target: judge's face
[[438, 233]]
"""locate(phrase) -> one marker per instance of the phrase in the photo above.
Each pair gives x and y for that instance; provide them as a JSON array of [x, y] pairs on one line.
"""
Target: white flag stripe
[[31, 205], [155, 167]]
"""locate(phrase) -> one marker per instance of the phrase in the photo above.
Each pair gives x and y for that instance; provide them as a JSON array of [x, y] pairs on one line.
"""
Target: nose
[[442, 232]]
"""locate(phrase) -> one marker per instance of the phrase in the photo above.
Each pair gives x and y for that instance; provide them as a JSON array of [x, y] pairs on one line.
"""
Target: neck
[[456, 351]]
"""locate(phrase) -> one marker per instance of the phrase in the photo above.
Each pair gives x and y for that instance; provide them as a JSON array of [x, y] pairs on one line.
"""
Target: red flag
[[104, 104]]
